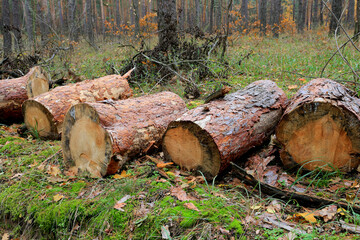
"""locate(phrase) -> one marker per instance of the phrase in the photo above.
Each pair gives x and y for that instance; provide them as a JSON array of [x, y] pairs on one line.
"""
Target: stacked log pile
[[99, 138], [45, 113], [321, 128], [13, 92], [210, 136]]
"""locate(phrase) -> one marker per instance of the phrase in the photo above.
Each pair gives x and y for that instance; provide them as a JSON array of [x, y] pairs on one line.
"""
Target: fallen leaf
[[122, 175], [121, 203], [58, 197], [6, 236], [341, 211], [255, 207], [54, 170], [309, 217], [327, 213], [165, 234], [119, 206], [180, 194], [302, 79], [162, 165], [17, 175], [191, 206], [291, 87]]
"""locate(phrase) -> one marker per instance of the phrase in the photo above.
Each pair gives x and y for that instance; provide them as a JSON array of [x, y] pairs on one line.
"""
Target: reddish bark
[[209, 137], [100, 138], [13, 92], [45, 113]]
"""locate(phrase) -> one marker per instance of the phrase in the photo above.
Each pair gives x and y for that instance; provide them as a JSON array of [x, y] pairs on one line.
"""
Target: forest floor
[[146, 200]]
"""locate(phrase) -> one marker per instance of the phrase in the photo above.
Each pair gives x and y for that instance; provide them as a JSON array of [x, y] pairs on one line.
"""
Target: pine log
[[99, 138], [45, 113], [209, 137], [321, 128], [13, 92]]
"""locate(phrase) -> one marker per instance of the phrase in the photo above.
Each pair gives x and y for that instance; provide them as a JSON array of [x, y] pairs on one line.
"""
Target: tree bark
[[13, 92], [336, 8], [45, 113], [315, 13], [89, 22], [262, 12], [17, 24], [357, 23], [211, 24], [321, 128], [276, 15], [209, 137], [29, 22], [350, 18], [167, 24], [6, 26], [244, 13], [137, 17], [218, 14], [301, 16], [99, 138]]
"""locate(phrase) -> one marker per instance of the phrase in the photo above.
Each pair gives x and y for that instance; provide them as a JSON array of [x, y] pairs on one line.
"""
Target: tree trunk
[[89, 22], [46, 113], [71, 14], [276, 15], [61, 17], [301, 16], [321, 128], [102, 26], [336, 8], [167, 24], [137, 17], [315, 13], [321, 16], [211, 24], [181, 16], [197, 12], [350, 13], [244, 13], [17, 23], [262, 12], [6, 26], [13, 92], [29, 22], [99, 138], [117, 13], [209, 137], [218, 14], [357, 23]]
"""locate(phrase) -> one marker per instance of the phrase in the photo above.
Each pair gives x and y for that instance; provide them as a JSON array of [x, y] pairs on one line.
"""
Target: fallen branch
[[303, 199]]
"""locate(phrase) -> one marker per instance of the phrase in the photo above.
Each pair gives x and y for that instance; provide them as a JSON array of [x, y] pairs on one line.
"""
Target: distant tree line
[[33, 23]]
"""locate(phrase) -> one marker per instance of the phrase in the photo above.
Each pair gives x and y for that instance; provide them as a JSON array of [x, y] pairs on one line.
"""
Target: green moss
[[237, 225]]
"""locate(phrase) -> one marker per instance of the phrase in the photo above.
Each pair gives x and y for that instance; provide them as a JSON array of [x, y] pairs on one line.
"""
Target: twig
[[305, 200]]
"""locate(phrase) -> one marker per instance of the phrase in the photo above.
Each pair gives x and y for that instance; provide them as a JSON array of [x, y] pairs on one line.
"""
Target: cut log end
[[87, 146], [191, 147], [38, 82], [318, 135], [39, 120]]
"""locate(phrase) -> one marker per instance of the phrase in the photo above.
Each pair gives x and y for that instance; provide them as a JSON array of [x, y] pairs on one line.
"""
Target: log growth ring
[[40, 119], [38, 83], [320, 134], [190, 146], [87, 146]]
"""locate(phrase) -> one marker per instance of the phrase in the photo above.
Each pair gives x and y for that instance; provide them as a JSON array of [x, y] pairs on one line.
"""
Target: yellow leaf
[[162, 165], [255, 207], [291, 87], [309, 217], [122, 175], [341, 211], [58, 197]]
